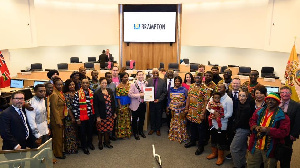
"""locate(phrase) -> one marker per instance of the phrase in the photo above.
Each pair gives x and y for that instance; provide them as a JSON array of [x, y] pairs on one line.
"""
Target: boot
[[100, 144], [220, 160], [214, 153]]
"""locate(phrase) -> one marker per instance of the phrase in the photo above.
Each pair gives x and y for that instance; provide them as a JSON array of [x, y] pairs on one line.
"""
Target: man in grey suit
[[292, 109], [160, 92]]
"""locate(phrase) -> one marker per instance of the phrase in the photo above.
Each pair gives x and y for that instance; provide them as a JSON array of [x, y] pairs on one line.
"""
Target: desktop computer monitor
[[16, 83], [38, 82], [272, 89]]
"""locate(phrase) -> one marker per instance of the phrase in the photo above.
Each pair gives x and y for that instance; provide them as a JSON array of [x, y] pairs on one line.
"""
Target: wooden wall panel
[[149, 55]]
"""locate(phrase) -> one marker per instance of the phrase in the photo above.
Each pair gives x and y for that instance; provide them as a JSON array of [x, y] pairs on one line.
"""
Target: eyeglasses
[[285, 93]]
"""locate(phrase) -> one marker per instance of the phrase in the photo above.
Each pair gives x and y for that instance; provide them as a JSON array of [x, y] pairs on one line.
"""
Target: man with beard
[[252, 83], [227, 79], [94, 84], [216, 77], [196, 108], [209, 83]]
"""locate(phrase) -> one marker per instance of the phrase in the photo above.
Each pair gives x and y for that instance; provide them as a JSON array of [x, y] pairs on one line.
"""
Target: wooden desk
[[265, 81], [75, 66], [39, 75], [235, 70], [184, 67]]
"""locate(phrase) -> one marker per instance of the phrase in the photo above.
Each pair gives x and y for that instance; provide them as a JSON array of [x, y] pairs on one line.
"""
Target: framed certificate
[[149, 94]]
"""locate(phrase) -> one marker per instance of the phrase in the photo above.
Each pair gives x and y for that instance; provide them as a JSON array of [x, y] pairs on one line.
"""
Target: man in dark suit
[[160, 92], [292, 109], [102, 59], [13, 125]]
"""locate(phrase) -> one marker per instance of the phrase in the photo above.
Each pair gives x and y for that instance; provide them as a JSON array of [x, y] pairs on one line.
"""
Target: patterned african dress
[[107, 124], [250, 87], [198, 96], [123, 125], [212, 87], [70, 133], [177, 100]]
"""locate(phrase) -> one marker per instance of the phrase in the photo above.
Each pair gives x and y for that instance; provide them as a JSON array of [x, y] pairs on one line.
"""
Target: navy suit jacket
[[293, 112], [12, 129]]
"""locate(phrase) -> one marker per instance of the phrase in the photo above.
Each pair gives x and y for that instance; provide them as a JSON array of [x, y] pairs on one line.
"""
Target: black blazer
[[293, 112], [161, 88], [99, 103], [12, 129], [102, 59]]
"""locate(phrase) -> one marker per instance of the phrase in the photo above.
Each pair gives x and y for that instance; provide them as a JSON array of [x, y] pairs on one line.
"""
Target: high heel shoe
[[100, 146], [107, 145]]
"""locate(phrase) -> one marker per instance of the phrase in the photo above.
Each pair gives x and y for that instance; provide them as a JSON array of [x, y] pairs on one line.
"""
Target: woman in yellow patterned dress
[[176, 102], [123, 128]]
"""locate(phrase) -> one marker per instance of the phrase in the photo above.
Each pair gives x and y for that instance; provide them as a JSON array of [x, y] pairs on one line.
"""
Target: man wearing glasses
[[292, 109], [13, 124]]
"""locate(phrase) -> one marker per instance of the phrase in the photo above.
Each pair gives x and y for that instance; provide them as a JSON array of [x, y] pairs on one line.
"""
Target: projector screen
[[149, 26]]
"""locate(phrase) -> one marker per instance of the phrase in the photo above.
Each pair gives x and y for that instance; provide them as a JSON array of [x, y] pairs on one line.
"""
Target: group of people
[[198, 108]]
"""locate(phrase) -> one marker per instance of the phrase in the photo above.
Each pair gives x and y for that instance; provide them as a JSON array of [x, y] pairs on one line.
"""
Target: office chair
[[223, 69], [267, 72], [244, 71], [186, 61], [128, 64], [89, 65], [74, 59], [193, 67], [36, 67], [161, 66], [62, 66], [173, 66], [91, 59]]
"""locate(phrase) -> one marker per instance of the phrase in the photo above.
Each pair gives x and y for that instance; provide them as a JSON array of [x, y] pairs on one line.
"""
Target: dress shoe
[[62, 157], [86, 151], [113, 138], [107, 145], [136, 136], [158, 133], [190, 144], [199, 151], [142, 135], [92, 147], [150, 132], [100, 146]]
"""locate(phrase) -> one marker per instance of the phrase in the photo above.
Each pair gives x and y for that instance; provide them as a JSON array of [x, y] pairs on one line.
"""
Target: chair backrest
[[62, 66], [36, 67], [223, 69], [244, 71], [186, 61], [74, 59], [193, 67], [89, 65], [91, 59], [267, 72], [173, 66], [128, 65], [161, 65]]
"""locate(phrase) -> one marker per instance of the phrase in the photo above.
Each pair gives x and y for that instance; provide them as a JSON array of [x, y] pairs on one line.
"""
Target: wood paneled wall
[[150, 55]]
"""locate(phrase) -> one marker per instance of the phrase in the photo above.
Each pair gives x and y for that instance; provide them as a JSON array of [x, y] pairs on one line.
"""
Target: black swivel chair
[[62, 66], [36, 67], [128, 65], [74, 60], [223, 69], [89, 65], [186, 61], [173, 66], [268, 72], [193, 67], [161, 66], [244, 71], [91, 59]]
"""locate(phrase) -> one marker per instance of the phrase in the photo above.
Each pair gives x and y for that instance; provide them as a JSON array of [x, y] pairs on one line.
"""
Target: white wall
[[51, 56], [253, 58]]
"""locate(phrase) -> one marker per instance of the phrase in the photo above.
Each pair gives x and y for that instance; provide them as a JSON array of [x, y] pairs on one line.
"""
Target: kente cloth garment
[[177, 100]]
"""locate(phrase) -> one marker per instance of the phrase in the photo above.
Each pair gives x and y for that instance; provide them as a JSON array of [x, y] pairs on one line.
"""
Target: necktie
[[25, 124], [235, 96], [169, 85]]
